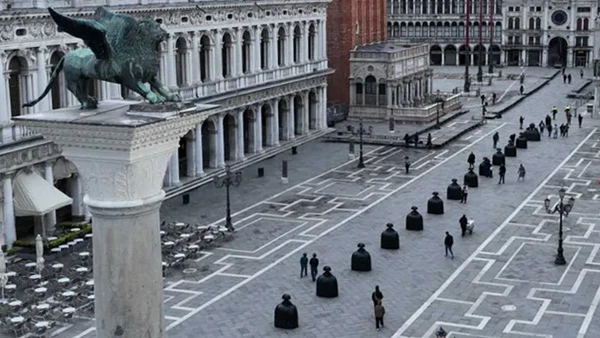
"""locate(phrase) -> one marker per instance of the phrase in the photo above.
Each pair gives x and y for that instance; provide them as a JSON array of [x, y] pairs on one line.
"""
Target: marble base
[[165, 110]]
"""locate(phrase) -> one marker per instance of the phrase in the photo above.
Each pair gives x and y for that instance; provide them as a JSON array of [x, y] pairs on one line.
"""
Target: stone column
[[240, 136], [237, 53], [4, 94], [195, 58], [291, 120], [323, 109], [198, 151], [174, 169], [275, 124], [42, 76], [305, 34], [255, 50], [76, 192], [389, 95], [49, 218], [171, 71], [352, 93], [289, 45], [217, 65], [10, 233], [305, 111], [220, 143], [323, 39], [190, 154], [258, 131], [272, 51]]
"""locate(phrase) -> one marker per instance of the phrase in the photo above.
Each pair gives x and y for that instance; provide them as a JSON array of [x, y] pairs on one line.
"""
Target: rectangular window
[[538, 9], [510, 8], [518, 9], [584, 9], [531, 8]]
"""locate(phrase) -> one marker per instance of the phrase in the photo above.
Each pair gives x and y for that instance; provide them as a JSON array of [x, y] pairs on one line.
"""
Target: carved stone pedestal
[[122, 161]]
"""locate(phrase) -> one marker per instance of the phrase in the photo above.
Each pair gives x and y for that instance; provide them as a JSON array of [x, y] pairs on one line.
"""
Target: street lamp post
[[467, 86], [480, 57], [361, 131], [228, 180], [563, 211]]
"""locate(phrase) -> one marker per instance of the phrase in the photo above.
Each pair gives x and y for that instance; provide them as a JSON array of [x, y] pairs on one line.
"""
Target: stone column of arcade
[[122, 157]]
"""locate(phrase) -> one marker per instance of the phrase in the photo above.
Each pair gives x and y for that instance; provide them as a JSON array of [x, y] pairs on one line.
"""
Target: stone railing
[[10, 133], [247, 80]]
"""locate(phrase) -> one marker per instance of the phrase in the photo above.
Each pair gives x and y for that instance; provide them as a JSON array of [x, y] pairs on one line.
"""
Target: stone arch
[[209, 143], [435, 55], [557, 51], [297, 43], [230, 126], [249, 131], [17, 67], [370, 90], [283, 111], [246, 51], [281, 42], [389, 29], [264, 48], [312, 37], [227, 55], [181, 71], [396, 30], [464, 55], [450, 55], [476, 54], [205, 60]]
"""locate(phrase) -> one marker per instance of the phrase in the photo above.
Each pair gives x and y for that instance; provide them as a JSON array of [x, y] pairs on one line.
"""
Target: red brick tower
[[346, 18]]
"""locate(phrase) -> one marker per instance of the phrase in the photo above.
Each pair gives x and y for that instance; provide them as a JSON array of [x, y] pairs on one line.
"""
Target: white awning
[[34, 196], [63, 169]]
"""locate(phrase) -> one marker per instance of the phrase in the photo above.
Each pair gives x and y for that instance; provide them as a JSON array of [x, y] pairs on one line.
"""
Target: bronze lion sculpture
[[121, 50]]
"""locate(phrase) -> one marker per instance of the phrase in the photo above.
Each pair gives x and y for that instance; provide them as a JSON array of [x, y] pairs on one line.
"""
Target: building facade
[[549, 33], [350, 24], [441, 24], [390, 81], [264, 65]]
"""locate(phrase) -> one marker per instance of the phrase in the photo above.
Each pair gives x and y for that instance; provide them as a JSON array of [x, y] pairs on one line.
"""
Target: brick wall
[[342, 16]]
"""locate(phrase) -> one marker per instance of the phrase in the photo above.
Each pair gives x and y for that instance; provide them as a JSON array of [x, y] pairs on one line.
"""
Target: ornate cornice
[[28, 154]]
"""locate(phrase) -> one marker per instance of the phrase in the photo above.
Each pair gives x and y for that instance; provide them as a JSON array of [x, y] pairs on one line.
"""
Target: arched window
[[58, 89], [180, 61], [281, 47], [226, 55], [586, 24], [297, 43], [205, 62], [359, 93], [312, 35], [511, 24], [579, 24], [538, 23], [17, 86], [264, 49], [531, 23], [246, 52], [370, 90], [517, 23]]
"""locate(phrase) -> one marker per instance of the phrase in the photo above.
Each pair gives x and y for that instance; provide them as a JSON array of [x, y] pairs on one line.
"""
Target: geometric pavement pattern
[[510, 286]]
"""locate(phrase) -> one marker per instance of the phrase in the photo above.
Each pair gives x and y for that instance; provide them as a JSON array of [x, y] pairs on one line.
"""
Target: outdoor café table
[[63, 280], [11, 274], [40, 290], [15, 303], [31, 265], [35, 277], [17, 320]]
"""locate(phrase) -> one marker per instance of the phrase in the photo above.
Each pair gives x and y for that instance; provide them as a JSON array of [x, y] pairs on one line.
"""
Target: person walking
[[521, 120], [566, 130], [542, 126], [564, 77], [521, 173], [376, 296], [501, 173], [548, 120], [429, 143], [448, 242], [471, 160], [580, 119], [569, 78], [304, 265], [406, 164], [379, 313], [562, 130], [463, 225], [569, 116], [465, 193], [493, 98], [521, 90], [482, 97], [549, 127], [496, 138], [314, 267], [554, 111], [581, 73], [554, 136]]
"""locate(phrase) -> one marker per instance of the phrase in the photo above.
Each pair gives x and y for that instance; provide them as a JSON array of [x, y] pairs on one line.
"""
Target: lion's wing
[[117, 26], [90, 31]]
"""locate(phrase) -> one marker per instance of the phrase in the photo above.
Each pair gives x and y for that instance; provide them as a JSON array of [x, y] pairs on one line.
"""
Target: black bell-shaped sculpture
[[522, 141], [390, 238], [361, 259], [414, 220], [471, 179], [454, 191], [498, 158], [286, 314], [485, 168], [532, 133], [510, 150], [327, 286], [435, 205]]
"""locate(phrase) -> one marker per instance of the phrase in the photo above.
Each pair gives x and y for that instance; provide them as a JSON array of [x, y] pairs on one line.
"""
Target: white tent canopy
[[34, 196]]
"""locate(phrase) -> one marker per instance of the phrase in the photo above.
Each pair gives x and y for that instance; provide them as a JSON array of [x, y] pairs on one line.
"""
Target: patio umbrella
[[3, 277], [39, 253]]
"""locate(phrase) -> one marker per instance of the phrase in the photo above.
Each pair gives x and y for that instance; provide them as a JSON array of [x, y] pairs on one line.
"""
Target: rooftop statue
[[121, 50]]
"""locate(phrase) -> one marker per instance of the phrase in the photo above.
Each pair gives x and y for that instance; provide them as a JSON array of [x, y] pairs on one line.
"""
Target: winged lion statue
[[121, 50]]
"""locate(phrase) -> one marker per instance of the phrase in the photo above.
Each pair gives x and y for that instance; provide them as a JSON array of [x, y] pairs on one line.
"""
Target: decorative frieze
[[29, 154]]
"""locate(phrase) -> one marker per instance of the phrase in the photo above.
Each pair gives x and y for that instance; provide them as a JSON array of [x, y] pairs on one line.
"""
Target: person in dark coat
[[463, 225], [580, 118], [549, 127], [429, 143], [379, 312], [406, 164], [548, 120], [314, 267], [554, 112], [465, 193], [569, 78], [581, 73], [303, 265], [377, 295], [493, 98], [495, 138], [471, 160], [521, 90], [448, 242], [562, 130], [566, 130], [482, 97], [564, 77], [521, 120], [542, 126], [501, 173], [406, 139]]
